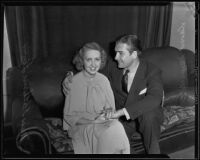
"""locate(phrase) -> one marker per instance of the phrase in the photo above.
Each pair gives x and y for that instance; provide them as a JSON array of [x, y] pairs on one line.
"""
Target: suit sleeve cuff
[[126, 113]]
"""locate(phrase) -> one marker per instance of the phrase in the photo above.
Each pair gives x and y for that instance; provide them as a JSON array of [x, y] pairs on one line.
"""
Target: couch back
[[172, 63], [45, 77], [45, 80]]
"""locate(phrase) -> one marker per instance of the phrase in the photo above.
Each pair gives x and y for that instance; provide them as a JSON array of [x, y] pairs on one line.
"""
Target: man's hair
[[132, 41], [78, 59]]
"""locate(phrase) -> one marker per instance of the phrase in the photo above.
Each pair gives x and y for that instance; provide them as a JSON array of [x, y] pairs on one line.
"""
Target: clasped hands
[[109, 113]]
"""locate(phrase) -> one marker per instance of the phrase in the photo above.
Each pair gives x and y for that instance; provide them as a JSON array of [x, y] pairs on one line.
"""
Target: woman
[[89, 97]]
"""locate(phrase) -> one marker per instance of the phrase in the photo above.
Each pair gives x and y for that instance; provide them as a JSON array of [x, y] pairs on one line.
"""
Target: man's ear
[[134, 54]]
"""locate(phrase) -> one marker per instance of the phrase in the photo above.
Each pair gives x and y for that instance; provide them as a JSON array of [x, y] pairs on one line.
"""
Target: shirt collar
[[131, 70]]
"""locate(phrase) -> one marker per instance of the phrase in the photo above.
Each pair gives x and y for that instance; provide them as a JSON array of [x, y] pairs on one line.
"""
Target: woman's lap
[[105, 137], [113, 138]]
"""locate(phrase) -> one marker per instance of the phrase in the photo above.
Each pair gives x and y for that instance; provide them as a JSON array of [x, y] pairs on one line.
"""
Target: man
[[138, 92]]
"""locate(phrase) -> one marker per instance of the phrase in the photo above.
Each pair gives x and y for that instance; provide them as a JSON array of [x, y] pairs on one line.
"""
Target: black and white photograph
[[97, 79]]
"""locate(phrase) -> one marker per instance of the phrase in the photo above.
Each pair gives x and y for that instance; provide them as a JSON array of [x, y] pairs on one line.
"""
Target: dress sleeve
[[69, 118], [110, 101], [74, 107]]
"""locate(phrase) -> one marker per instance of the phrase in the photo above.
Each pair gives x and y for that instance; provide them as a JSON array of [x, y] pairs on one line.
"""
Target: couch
[[37, 101]]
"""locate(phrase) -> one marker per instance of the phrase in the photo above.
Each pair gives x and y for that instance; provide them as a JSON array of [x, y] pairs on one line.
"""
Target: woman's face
[[92, 61]]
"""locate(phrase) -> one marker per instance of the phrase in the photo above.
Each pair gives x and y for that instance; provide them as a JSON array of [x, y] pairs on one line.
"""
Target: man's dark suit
[[144, 108]]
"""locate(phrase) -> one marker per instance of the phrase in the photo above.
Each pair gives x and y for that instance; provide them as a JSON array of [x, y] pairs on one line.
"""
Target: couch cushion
[[174, 115], [59, 138]]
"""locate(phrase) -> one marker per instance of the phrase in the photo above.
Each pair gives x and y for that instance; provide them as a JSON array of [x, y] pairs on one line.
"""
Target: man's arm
[[66, 82], [152, 99]]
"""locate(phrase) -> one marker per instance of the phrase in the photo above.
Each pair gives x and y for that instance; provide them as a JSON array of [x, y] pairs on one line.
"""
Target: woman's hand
[[107, 112], [101, 118]]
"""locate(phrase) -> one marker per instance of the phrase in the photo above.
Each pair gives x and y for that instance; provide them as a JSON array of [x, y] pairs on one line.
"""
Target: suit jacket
[[147, 76]]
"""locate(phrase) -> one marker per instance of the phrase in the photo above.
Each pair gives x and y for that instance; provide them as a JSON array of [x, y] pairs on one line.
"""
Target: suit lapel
[[138, 79]]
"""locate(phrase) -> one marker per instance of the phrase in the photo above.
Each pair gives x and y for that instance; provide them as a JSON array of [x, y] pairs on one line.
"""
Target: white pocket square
[[143, 91]]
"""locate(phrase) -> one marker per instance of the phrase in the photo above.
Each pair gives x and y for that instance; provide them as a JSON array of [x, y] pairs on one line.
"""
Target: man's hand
[[117, 114], [66, 82], [109, 113]]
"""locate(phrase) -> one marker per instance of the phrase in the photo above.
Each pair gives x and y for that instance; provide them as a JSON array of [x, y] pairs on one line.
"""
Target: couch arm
[[33, 132], [38, 135], [180, 97], [33, 140]]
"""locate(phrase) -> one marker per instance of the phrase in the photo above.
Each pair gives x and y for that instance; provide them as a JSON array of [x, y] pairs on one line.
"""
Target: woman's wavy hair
[[78, 59], [132, 41]]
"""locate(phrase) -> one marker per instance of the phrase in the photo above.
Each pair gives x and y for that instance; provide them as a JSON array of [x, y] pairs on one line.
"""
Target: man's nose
[[116, 56]]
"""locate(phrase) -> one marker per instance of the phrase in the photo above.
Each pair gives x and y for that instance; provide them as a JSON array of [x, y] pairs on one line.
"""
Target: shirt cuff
[[126, 113]]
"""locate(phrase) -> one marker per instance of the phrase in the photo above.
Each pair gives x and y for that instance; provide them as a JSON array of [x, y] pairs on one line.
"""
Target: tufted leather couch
[[37, 102]]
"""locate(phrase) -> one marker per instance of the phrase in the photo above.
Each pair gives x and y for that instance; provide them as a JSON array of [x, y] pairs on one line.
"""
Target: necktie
[[125, 81]]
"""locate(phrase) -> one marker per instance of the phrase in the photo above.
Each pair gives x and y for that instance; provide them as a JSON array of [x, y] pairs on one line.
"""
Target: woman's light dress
[[86, 99]]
